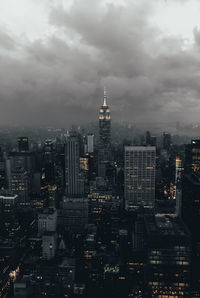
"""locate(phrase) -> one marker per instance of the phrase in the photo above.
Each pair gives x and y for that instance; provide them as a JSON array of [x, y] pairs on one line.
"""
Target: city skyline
[[54, 67]]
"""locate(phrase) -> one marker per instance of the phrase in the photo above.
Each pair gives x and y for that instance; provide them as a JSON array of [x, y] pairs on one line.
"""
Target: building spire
[[105, 98]]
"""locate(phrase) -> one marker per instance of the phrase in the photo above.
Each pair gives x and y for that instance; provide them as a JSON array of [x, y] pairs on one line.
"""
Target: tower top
[[105, 98]]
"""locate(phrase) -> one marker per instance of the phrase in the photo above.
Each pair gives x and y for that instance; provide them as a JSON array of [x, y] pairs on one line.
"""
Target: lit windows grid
[[139, 176]]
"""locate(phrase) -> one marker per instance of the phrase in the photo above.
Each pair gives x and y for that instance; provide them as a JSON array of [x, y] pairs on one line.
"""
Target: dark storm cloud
[[59, 80]]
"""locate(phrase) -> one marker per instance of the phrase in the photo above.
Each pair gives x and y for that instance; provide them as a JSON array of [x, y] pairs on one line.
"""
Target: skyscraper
[[166, 140], [90, 143], [168, 245], [104, 124], [23, 144], [73, 178], [192, 157], [104, 153], [139, 184]]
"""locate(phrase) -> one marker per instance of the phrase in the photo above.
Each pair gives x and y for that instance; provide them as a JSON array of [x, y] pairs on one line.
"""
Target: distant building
[[166, 141], [104, 124], [73, 178], [73, 214], [8, 201], [90, 143], [47, 220], [23, 288], [104, 152], [49, 245], [20, 185], [23, 144], [139, 177]]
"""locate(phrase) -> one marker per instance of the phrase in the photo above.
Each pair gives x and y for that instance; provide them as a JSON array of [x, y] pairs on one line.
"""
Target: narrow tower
[[104, 124], [104, 152]]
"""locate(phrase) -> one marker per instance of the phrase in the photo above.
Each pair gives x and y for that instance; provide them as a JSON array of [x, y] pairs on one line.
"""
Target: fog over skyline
[[56, 56]]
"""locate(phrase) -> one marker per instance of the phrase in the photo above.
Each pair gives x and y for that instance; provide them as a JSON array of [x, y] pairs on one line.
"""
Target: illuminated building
[[139, 184], [192, 157], [104, 152], [179, 169], [191, 217], [168, 245], [23, 144], [49, 245], [104, 124], [73, 177], [8, 201], [84, 164], [20, 185]]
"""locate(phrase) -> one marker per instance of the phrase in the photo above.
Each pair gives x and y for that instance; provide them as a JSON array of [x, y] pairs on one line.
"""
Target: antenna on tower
[[105, 97]]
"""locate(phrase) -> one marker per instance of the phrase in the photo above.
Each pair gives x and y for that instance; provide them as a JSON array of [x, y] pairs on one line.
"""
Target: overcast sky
[[56, 56]]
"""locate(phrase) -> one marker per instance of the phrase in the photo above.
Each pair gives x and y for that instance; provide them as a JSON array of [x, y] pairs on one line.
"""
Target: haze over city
[[56, 56]]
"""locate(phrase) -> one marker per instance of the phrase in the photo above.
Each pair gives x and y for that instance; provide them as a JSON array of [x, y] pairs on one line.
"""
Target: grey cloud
[[6, 41], [59, 80]]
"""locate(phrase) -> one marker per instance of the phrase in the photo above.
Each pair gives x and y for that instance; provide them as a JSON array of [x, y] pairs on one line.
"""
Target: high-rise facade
[[166, 140], [73, 178], [104, 124], [168, 246], [90, 143], [139, 177], [104, 153], [192, 157], [23, 144]]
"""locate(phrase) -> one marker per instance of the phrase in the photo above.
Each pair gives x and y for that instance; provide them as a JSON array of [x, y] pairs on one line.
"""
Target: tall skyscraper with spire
[[104, 154], [104, 124]]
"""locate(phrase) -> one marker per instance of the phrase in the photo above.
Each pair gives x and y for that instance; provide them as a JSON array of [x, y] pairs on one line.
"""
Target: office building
[[139, 177], [49, 245], [168, 245], [191, 217], [90, 143], [20, 185], [23, 144], [73, 179], [73, 214], [166, 141], [192, 157], [47, 220]]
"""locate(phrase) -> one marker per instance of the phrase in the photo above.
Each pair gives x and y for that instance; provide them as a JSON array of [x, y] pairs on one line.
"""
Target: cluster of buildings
[[79, 220]]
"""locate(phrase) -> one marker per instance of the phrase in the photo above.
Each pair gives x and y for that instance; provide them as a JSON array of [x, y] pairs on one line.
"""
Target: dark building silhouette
[[23, 144], [166, 140], [168, 245], [191, 217], [73, 177], [192, 157]]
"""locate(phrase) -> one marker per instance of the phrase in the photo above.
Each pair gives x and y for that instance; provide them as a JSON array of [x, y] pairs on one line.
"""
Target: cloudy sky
[[56, 56]]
